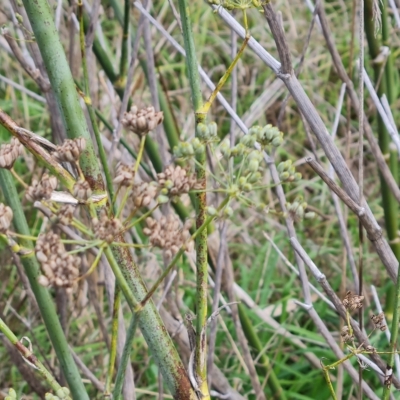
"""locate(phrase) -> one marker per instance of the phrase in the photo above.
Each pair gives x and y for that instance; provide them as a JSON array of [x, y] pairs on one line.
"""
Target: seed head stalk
[[200, 365]]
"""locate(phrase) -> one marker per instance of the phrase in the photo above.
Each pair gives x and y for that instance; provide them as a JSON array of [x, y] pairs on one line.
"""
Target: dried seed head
[[66, 213], [352, 301], [70, 150], [143, 193], [142, 121], [125, 175], [43, 189], [6, 216], [9, 152], [59, 268], [106, 228], [176, 181], [388, 376], [369, 348], [379, 321], [168, 234], [82, 190], [345, 334]]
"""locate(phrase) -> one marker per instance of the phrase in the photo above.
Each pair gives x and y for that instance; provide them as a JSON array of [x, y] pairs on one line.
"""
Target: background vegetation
[[286, 344]]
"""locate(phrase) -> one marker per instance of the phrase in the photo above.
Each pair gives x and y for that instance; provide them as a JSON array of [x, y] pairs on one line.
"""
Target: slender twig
[[217, 288], [342, 224], [33, 361]]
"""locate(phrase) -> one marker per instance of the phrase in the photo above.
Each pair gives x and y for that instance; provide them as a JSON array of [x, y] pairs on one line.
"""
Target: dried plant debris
[[142, 121], [82, 190], [379, 321], [106, 228], [6, 216], [388, 376], [59, 268], [41, 190], [352, 301], [346, 335], [9, 152], [168, 234], [125, 175], [70, 150]]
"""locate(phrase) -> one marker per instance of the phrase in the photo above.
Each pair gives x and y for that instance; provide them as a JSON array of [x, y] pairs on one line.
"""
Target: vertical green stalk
[[63, 85], [126, 354], [124, 50], [114, 339], [393, 338], [386, 86], [45, 303], [89, 105], [390, 205], [201, 204]]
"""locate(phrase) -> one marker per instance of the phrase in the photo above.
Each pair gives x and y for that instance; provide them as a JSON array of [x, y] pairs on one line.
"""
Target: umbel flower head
[[6, 216], [42, 189], [106, 228], [352, 301], [175, 181], [142, 121], [168, 234], [59, 268], [143, 193], [125, 175], [70, 150], [9, 152]]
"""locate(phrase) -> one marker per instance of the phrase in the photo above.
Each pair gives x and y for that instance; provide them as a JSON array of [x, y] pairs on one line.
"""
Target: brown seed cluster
[[82, 190], [6, 216], [168, 234], [42, 189], [176, 181], [352, 301], [66, 213], [345, 334], [369, 348], [379, 321], [106, 228], [125, 175], [143, 194], [9, 152], [59, 268], [70, 150], [142, 121]]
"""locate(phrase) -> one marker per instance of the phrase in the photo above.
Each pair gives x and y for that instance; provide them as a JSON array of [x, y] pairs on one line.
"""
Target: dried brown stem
[[335, 157], [359, 334]]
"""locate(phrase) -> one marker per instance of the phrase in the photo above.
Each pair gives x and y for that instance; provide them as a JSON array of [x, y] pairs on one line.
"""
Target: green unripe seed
[[247, 187], [309, 215], [255, 130], [276, 142], [228, 211], [202, 131], [161, 199], [212, 129], [284, 176], [211, 211]]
